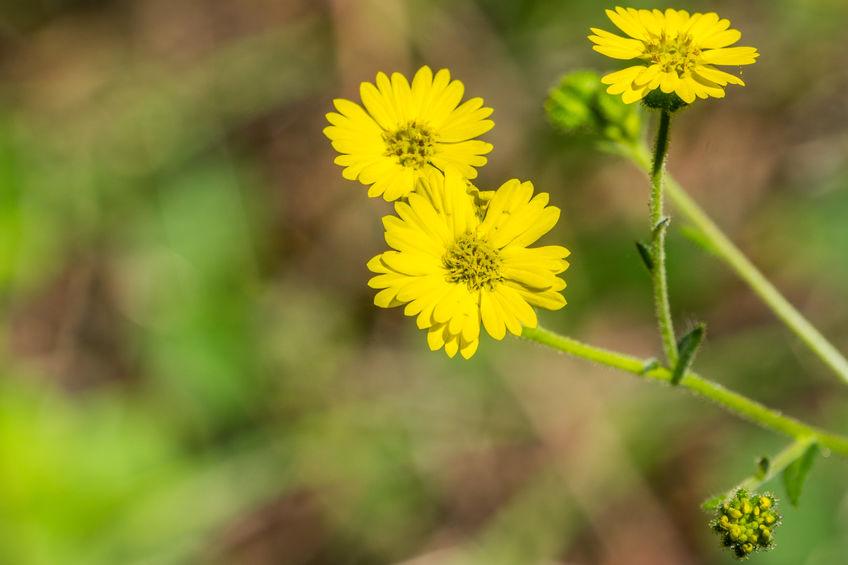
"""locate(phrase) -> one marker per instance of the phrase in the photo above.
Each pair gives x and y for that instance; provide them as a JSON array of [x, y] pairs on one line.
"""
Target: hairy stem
[[725, 250], [658, 230], [731, 401]]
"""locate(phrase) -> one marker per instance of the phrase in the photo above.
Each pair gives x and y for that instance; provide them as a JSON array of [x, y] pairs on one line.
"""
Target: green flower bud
[[580, 103], [746, 522]]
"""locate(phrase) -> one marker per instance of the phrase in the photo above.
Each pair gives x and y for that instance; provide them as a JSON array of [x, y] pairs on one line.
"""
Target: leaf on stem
[[661, 226], [796, 473], [687, 348], [645, 254], [650, 365], [763, 465]]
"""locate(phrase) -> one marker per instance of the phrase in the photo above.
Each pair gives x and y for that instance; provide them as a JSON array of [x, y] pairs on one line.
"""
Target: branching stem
[[734, 402], [725, 250]]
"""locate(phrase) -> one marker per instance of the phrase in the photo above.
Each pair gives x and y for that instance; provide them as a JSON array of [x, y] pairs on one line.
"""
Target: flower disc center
[[412, 145], [473, 262], [676, 54]]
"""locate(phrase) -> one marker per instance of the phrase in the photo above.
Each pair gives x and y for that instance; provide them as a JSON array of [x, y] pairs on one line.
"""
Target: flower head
[[406, 129], [747, 522], [455, 264], [679, 51]]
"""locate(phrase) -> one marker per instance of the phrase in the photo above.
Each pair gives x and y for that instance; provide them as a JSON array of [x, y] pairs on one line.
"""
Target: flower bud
[[746, 522], [580, 103]]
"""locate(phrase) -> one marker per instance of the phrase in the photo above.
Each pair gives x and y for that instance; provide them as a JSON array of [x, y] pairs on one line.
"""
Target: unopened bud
[[580, 104], [746, 522]]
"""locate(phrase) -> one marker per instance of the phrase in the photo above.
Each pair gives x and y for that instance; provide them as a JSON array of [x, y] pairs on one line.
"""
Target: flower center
[[471, 261], [412, 145], [676, 54]]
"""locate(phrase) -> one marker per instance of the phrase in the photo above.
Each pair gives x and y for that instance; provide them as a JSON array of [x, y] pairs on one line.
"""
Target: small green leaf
[[712, 503], [763, 465], [661, 227], [645, 254], [650, 365], [687, 348], [796, 473]]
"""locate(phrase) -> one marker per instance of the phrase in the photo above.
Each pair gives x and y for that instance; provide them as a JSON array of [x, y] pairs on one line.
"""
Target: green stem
[[658, 272], [731, 401], [721, 245]]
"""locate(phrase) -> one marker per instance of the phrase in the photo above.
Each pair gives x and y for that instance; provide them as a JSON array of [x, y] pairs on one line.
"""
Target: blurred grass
[[193, 372]]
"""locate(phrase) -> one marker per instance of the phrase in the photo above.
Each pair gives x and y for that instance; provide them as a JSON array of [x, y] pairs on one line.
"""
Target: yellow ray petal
[[491, 319], [730, 56], [628, 22]]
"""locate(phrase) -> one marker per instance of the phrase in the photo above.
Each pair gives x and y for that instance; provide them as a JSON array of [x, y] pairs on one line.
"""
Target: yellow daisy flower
[[454, 265], [680, 52], [404, 130]]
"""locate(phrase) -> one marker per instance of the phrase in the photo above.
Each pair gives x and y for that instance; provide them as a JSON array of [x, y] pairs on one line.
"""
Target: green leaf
[[661, 227], [645, 254], [687, 348], [796, 473], [712, 503], [763, 466], [649, 366]]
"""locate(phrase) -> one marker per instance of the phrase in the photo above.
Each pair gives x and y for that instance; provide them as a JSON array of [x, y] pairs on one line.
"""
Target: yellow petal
[[717, 76], [730, 56], [452, 346], [386, 298], [685, 90], [720, 39], [668, 82], [623, 77], [628, 22], [632, 95], [490, 316], [436, 338], [402, 98], [377, 106], [442, 106], [468, 348], [617, 52], [518, 306]]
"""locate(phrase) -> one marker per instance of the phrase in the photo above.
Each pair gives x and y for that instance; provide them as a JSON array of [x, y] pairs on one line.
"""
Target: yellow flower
[[404, 130], [454, 265], [680, 52]]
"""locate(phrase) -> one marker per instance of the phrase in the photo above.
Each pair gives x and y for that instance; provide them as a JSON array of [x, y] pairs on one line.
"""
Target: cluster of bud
[[746, 522]]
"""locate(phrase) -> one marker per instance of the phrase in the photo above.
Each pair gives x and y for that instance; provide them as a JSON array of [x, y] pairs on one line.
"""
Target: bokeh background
[[192, 370]]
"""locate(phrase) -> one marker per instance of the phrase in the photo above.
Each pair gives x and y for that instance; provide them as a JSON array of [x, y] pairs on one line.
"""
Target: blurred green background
[[193, 372]]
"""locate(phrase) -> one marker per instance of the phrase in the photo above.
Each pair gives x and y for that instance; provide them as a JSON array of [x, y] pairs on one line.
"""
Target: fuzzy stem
[[731, 401], [725, 250], [658, 272]]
